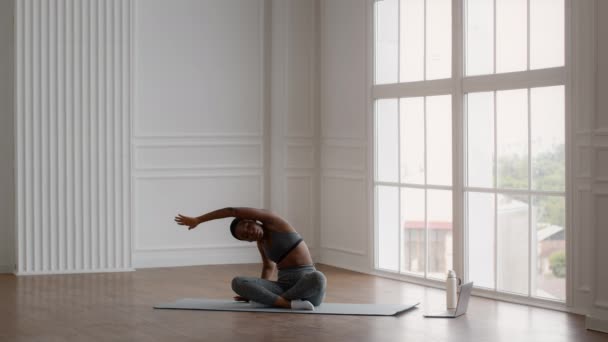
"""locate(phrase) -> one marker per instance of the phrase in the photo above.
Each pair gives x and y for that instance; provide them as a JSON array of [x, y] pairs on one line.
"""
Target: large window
[[469, 123]]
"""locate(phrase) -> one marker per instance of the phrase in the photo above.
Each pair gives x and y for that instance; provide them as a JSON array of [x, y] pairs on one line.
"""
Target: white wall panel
[[299, 195], [345, 207], [584, 237], [344, 215], [601, 253], [299, 156], [199, 68], [583, 161], [73, 127], [344, 157], [7, 144], [602, 66], [158, 199], [199, 156], [343, 83], [300, 73], [597, 317], [199, 125], [295, 115], [601, 164]]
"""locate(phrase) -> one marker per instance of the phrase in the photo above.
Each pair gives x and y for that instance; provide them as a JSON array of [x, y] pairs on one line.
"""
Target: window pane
[[439, 139], [388, 227], [548, 132], [412, 140], [387, 140], [439, 211], [546, 33], [411, 62], [438, 39], [479, 37], [480, 139], [511, 35], [387, 19], [413, 232], [549, 224], [512, 138], [512, 243], [480, 220]]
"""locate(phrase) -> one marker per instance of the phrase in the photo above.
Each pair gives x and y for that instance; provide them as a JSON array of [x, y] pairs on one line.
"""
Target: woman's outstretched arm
[[261, 215]]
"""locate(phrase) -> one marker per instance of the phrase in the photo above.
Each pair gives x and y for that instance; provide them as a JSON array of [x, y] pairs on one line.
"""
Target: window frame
[[458, 86]]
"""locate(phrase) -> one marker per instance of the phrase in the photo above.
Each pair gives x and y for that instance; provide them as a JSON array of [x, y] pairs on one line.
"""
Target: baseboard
[[597, 324], [77, 271], [6, 269], [196, 256], [345, 260]]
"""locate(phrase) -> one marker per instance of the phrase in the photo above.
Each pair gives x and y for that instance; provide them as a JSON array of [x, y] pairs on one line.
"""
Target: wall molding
[[602, 304], [600, 140], [343, 141], [361, 149], [348, 261], [161, 144], [199, 175], [193, 257], [329, 174], [137, 134], [76, 271], [344, 250], [288, 163], [581, 232], [598, 151], [597, 324], [193, 247], [584, 289], [6, 269], [166, 136], [259, 163]]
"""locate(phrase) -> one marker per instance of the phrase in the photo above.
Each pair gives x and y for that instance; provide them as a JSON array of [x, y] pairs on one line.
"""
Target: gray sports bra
[[281, 243]]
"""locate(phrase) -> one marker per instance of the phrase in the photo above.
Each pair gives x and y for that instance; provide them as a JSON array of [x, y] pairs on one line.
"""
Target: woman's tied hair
[[233, 225]]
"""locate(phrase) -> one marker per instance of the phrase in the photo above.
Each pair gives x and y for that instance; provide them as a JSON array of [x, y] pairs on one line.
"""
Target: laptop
[[461, 307]]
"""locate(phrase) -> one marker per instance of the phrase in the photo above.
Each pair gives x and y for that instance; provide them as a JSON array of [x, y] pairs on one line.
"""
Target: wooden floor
[[118, 307]]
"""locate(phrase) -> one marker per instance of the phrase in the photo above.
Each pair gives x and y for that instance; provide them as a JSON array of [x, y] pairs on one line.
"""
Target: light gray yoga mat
[[323, 309]]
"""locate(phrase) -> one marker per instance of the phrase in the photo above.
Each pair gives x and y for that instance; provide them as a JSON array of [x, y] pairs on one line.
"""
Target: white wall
[[598, 315], [199, 126], [226, 115], [7, 177], [346, 229]]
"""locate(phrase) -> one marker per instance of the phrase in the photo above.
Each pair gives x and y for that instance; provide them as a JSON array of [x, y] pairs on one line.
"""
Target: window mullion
[[530, 257], [495, 162], [515, 80], [426, 197], [458, 233]]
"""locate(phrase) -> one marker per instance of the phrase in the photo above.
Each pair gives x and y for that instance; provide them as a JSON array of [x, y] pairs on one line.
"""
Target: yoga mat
[[323, 309]]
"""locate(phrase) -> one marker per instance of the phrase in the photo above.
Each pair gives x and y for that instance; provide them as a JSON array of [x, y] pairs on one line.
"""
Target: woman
[[299, 285]]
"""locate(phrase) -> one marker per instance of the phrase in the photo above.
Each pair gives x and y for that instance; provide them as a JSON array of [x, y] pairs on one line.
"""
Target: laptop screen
[[463, 298]]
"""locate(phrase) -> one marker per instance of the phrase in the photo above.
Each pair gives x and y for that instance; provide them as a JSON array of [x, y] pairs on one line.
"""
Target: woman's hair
[[233, 225]]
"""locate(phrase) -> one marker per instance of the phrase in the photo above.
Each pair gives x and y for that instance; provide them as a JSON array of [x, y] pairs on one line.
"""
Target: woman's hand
[[191, 222], [240, 299]]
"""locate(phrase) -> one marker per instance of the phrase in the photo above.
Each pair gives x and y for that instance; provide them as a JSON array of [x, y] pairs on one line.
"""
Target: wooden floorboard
[[118, 307]]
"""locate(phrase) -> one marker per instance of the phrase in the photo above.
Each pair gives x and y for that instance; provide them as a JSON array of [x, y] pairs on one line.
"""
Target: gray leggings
[[301, 282]]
